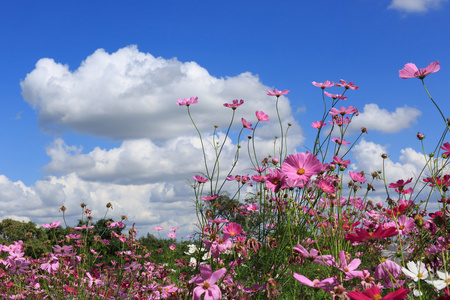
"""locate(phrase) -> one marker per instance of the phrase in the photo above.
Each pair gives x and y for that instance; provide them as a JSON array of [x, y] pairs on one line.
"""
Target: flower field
[[308, 229]]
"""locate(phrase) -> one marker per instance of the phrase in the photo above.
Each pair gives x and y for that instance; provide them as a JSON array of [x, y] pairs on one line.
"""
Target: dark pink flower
[[206, 283], [236, 103], [346, 85], [410, 70], [375, 293], [335, 96], [301, 166], [277, 93], [233, 229], [362, 234], [261, 116], [209, 198], [246, 124], [446, 147], [324, 85], [200, 179], [187, 101], [358, 177], [339, 141], [274, 180]]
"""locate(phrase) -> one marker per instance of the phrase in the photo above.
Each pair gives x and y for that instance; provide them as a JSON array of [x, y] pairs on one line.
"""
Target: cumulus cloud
[[413, 6], [375, 118], [131, 95]]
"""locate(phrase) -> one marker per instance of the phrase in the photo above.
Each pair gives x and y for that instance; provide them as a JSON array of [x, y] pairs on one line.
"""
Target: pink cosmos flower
[[324, 85], [261, 116], [362, 234], [375, 293], [340, 162], [233, 229], [174, 229], [301, 166], [399, 185], [52, 225], [83, 227], [187, 101], [318, 124], [236, 103], [349, 268], [206, 283], [340, 142], [446, 147], [172, 235], [358, 177], [274, 180], [277, 93], [335, 96], [325, 284], [410, 70], [311, 254], [219, 220], [51, 265], [344, 111], [209, 198], [159, 228], [346, 85], [172, 247], [246, 124], [199, 179]]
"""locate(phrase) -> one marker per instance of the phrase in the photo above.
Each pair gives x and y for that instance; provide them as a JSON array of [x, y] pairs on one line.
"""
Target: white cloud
[[375, 118], [412, 6], [131, 95]]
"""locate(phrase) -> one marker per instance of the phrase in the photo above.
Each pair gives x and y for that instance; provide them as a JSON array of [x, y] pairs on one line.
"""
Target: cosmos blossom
[[277, 93], [301, 166], [318, 124], [187, 101], [446, 147], [411, 71], [375, 293], [335, 96], [344, 111], [236, 103], [261, 116], [358, 177], [363, 235], [350, 85], [324, 85], [209, 198], [246, 124], [340, 142], [200, 179], [324, 284], [206, 283]]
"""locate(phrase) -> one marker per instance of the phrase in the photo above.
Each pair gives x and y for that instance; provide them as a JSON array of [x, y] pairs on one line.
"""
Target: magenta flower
[[340, 162], [209, 198], [340, 120], [349, 268], [51, 265], [274, 180], [206, 283], [446, 147], [335, 96], [346, 85], [261, 116], [358, 177], [233, 229], [410, 70], [246, 124], [311, 254], [277, 93], [362, 234], [200, 179], [301, 166], [324, 85], [52, 225], [236, 103], [318, 124], [172, 247], [375, 293], [158, 228], [340, 142], [187, 101], [324, 284]]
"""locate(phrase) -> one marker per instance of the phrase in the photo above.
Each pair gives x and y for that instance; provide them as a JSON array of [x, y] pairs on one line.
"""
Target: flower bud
[[384, 156], [364, 130], [420, 136], [418, 219], [431, 155], [275, 160]]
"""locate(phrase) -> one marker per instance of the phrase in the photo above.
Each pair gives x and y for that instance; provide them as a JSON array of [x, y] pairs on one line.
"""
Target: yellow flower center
[[377, 297], [420, 275], [301, 171]]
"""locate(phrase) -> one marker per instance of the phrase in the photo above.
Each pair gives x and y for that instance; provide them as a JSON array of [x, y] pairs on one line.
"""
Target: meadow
[[309, 229]]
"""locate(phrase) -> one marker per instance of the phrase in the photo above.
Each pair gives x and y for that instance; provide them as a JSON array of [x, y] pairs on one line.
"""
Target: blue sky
[[98, 133]]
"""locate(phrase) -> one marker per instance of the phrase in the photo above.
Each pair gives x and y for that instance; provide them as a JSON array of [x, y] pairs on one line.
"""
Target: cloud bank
[[415, 6]]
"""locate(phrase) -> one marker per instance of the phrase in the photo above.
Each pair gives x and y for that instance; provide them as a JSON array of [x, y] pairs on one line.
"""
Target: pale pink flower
[[261, 116], [318, 124], [358, 177], [52, 225], [324, 85], [277, 93], [174, 229], [187, 101], [410, 70], [335, 96], [159, 228], [172, 247], [349, 268], [340, 162], [172, 235], [325, 284], [340, 120], [346, 85], [311, 254], [83, 227], [206, 283], [301, 166]]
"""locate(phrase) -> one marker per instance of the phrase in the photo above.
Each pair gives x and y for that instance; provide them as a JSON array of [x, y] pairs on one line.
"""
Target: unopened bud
[[431, 155], [83, 205], [109, 205], [418, 219], [364, 130], [275, 160], [384, 156], [420, 136]]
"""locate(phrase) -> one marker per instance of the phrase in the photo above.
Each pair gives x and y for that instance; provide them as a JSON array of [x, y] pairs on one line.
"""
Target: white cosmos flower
[[441, 283], [415, 271]]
